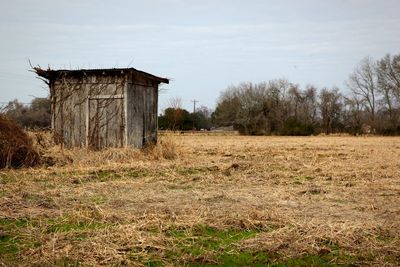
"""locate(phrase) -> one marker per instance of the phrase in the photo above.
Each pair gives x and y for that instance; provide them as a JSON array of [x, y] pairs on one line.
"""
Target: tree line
[[370, 105], [175, 117], [280, 107], [35, 115]]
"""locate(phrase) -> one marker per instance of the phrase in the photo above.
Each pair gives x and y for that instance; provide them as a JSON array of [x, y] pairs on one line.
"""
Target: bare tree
[[388, 72], [330, 105], [353, 113], [205, 111], [310, 103], [295, 99], [281, 107], [363, 83], [268, 107], [228, 106]]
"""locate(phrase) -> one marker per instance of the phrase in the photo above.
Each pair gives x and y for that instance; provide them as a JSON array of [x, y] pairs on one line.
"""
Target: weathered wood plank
[[106, 96], [103, 111]]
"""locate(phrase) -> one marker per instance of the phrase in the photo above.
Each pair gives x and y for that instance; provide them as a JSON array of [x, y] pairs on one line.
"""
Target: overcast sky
[[203, 46]]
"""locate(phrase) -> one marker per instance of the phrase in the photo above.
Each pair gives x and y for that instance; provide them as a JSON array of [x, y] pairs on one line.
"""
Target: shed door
[[105, 121]]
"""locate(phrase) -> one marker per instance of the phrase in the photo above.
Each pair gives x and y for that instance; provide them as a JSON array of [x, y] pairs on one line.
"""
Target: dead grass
[[229, 200], [16, 148], [166, 148]]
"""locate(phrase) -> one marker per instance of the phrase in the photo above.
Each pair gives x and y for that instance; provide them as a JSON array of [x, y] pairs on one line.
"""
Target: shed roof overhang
[[52, 75]]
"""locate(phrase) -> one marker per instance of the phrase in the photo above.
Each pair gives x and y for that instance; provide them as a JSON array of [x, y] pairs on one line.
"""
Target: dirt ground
[[209, 200]]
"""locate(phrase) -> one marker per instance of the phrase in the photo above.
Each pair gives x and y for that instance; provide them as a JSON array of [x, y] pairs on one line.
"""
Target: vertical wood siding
[[109, 124]]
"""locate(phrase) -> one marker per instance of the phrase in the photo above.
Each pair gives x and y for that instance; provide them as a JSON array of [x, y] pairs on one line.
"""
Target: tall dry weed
[[42, 140], [166, 148], [53, 154]]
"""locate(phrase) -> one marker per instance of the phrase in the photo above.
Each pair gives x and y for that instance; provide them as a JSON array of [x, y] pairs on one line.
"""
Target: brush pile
[[16, 149]]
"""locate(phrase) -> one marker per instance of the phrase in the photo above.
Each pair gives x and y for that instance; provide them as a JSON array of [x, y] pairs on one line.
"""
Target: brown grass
[[333, 198], [16, 148]]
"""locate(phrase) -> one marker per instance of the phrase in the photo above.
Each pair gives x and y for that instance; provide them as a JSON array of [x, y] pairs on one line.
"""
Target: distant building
[[100, 108]]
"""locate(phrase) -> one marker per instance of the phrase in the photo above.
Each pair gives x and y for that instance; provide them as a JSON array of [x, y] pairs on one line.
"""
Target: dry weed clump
[[56, 155], [83, 157], [166, 148], [16, 148], [42, 140]]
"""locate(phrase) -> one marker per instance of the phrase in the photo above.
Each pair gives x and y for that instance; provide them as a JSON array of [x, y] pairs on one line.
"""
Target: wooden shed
[[100, 108]]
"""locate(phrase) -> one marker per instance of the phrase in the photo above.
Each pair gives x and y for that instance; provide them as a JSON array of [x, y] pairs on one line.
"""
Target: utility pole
[[194, 105], [194, 111]]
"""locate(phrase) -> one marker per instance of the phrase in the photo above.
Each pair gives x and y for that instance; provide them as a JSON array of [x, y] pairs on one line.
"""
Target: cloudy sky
[[203, 46]]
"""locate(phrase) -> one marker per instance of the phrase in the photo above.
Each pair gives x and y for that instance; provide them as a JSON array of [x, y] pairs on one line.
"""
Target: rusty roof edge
[[50, 74], [160, 79]]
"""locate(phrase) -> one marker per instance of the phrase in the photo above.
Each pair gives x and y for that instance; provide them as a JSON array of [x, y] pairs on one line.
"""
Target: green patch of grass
[[202, 244], [244, 258], [333, 256], [308, 260], [7, 179], [213, 237], [98, 199], [66, 224], [80, 236], [208, 246], [192, 170], [11, 224], [12, 241], [105, 175], [137, 173], [8, 244]]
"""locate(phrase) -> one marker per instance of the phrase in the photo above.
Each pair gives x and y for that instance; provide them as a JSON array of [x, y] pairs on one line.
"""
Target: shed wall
[[78, 102], [142, 101], [91, 110]]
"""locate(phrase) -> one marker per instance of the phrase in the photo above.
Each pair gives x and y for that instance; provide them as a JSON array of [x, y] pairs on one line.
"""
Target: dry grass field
[[208, 200]]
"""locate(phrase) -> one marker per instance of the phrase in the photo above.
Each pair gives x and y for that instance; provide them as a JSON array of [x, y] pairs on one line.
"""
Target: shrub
[[293, 127]]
